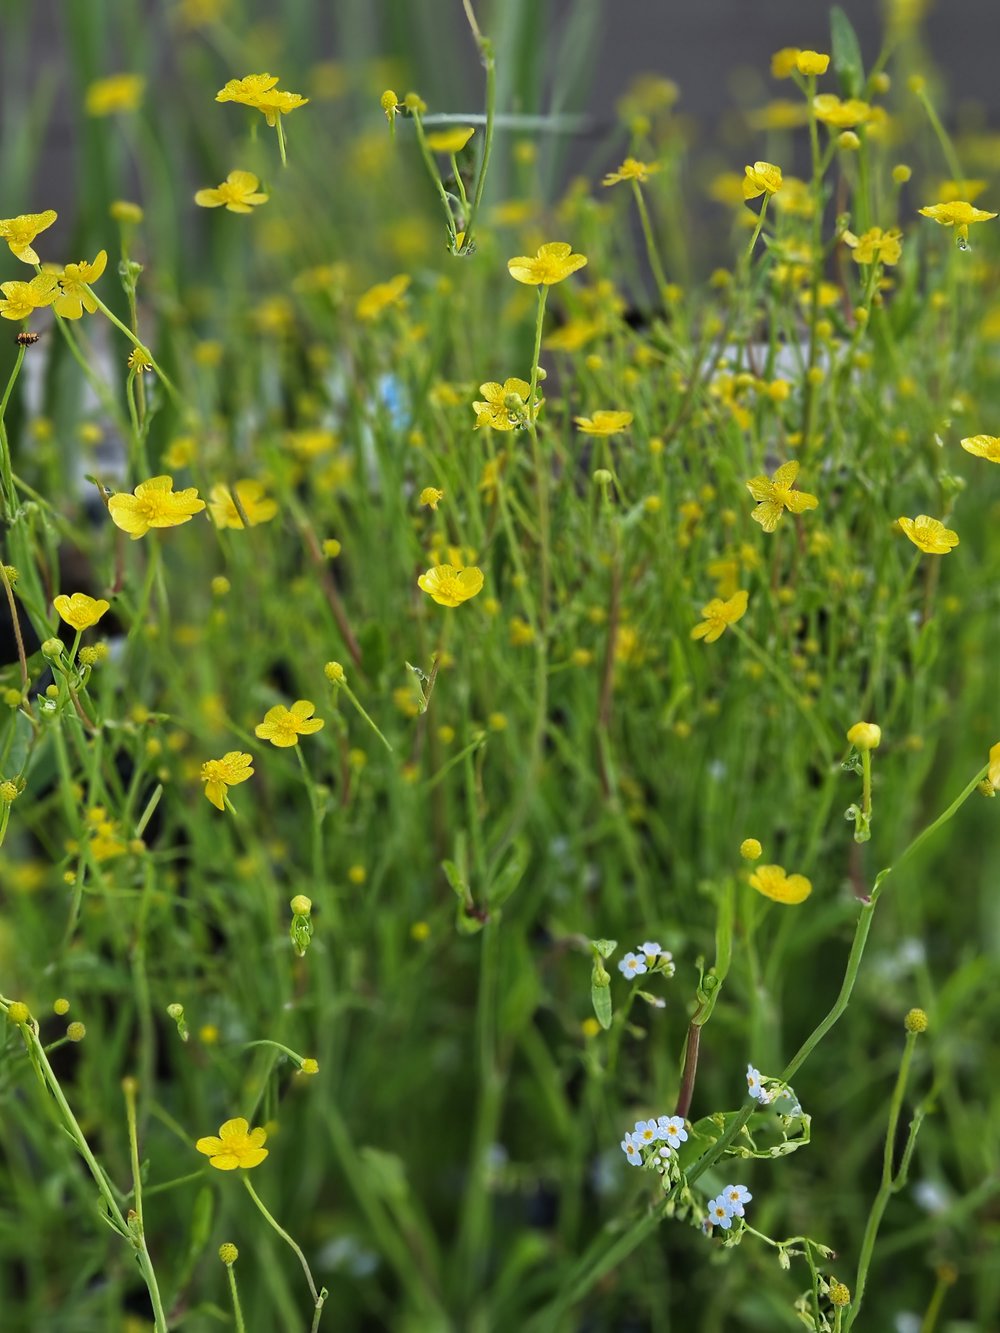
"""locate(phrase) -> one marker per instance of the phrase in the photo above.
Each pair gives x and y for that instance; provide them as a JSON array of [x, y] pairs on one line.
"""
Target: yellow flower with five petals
[[80, 611], [719, 615], [283, 726], [155, 504], [552, 263], [604, 423], [503, 406], [631, 170], [762, 178], [22, 298], [219, 775], [254, 501], [449, 585], [929, 534], [959, 213], [19, 233], [75, 280], [875, 245], [774, 495], [983, 446], [237, 1145], [238, 193]]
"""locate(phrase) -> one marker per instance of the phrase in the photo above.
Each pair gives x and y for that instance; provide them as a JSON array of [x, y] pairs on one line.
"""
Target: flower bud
[[849, 141], [301, 905], [228, 1253], [901, 173], [60, 1007], [18, 1012], [335, 673], [839, 1294], [309, 1066], [76, 1032], [915, 1021], [865, 735], [52, 650]]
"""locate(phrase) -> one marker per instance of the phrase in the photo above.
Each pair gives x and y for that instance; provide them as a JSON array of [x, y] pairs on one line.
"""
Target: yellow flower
[[248, 90], [449, 585], [970, 190], [761, 178], [283, 726], [983, 446], [551, 264], [631, 170], [390, 104], [574, 335], [19, 232], [118, 92], [219, 775], [958, 213], [21, 298], [775, 494], [238, 192], [604, 423], [993, 775], [450, 141], [719, 615], [278, 103], [811, 62], [504, 406], [124, 211], [155, 504], [865, 735], [74, 281], [828, 108], [773, 883], [80, 611], [430, 496], [929, 534], [237, 1146], [139, 360], [252, 497], [785, 62], [875, 244], [384, 294]]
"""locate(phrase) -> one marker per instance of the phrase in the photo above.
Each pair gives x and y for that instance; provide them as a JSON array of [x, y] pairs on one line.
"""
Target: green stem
[[486, 52], [6, 470], [317, 1296], [652, 252], [237, 1312], [164, 378]]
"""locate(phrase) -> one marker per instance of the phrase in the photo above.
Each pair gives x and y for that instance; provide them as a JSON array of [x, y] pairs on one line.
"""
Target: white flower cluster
[[727, 1205], [653, 1142], [650, 958]]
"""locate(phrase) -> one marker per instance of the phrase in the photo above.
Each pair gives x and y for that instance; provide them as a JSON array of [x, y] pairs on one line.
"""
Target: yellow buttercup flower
[[19, 233], [236, 1146], [79, 610], [839, 115], [719, 615], [865, 735], [278, 103], [74, 281], [380, 297], [252, 497], [449, 585], [123, 210], [155, 504], [875, 245], [950, 191], [219, 775], [811, 62], [774, 883], [118, 92], [983, 446], [785, 62], [551, 264], [248, 90], [631, 170], [503, 406], [430, 496], [929, 534], [604, 423], [21, 298], [761, 178], [450, 141], [775, 494], [959, 213], [238, 193], [283, 726]]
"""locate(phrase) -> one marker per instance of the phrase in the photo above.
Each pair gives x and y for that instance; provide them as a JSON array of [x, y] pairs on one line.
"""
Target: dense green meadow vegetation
[[499, 682]]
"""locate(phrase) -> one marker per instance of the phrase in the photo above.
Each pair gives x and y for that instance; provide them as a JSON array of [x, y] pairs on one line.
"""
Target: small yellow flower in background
[[122, 210], [139, 360], [839, 115], [775, 494], [450, 141], [551, 264], [219, 775], [774, 883], [283, 726], [238, 193], [811, 62], [993, 775], [959, 213], [252, 497], [631, 170], [74, 280], [948, 192], [784, 63], [118, 92], [236, 1146], [390, 104], [23, 298], [79, 610], [761, 178], [751, 850], [719, 615], [604, 423], [449, 585], [865, 735], [384, 294], [19, 233], [430, 496], [929, 534], [155, 504], [503, 406], [875, 244], [983, 446]]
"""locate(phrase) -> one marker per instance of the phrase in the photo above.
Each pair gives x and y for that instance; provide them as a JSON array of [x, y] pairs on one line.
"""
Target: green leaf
[[509, 877], [454, 877], [385, 1174], [847, 62], [600, 998], [15, 742]]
